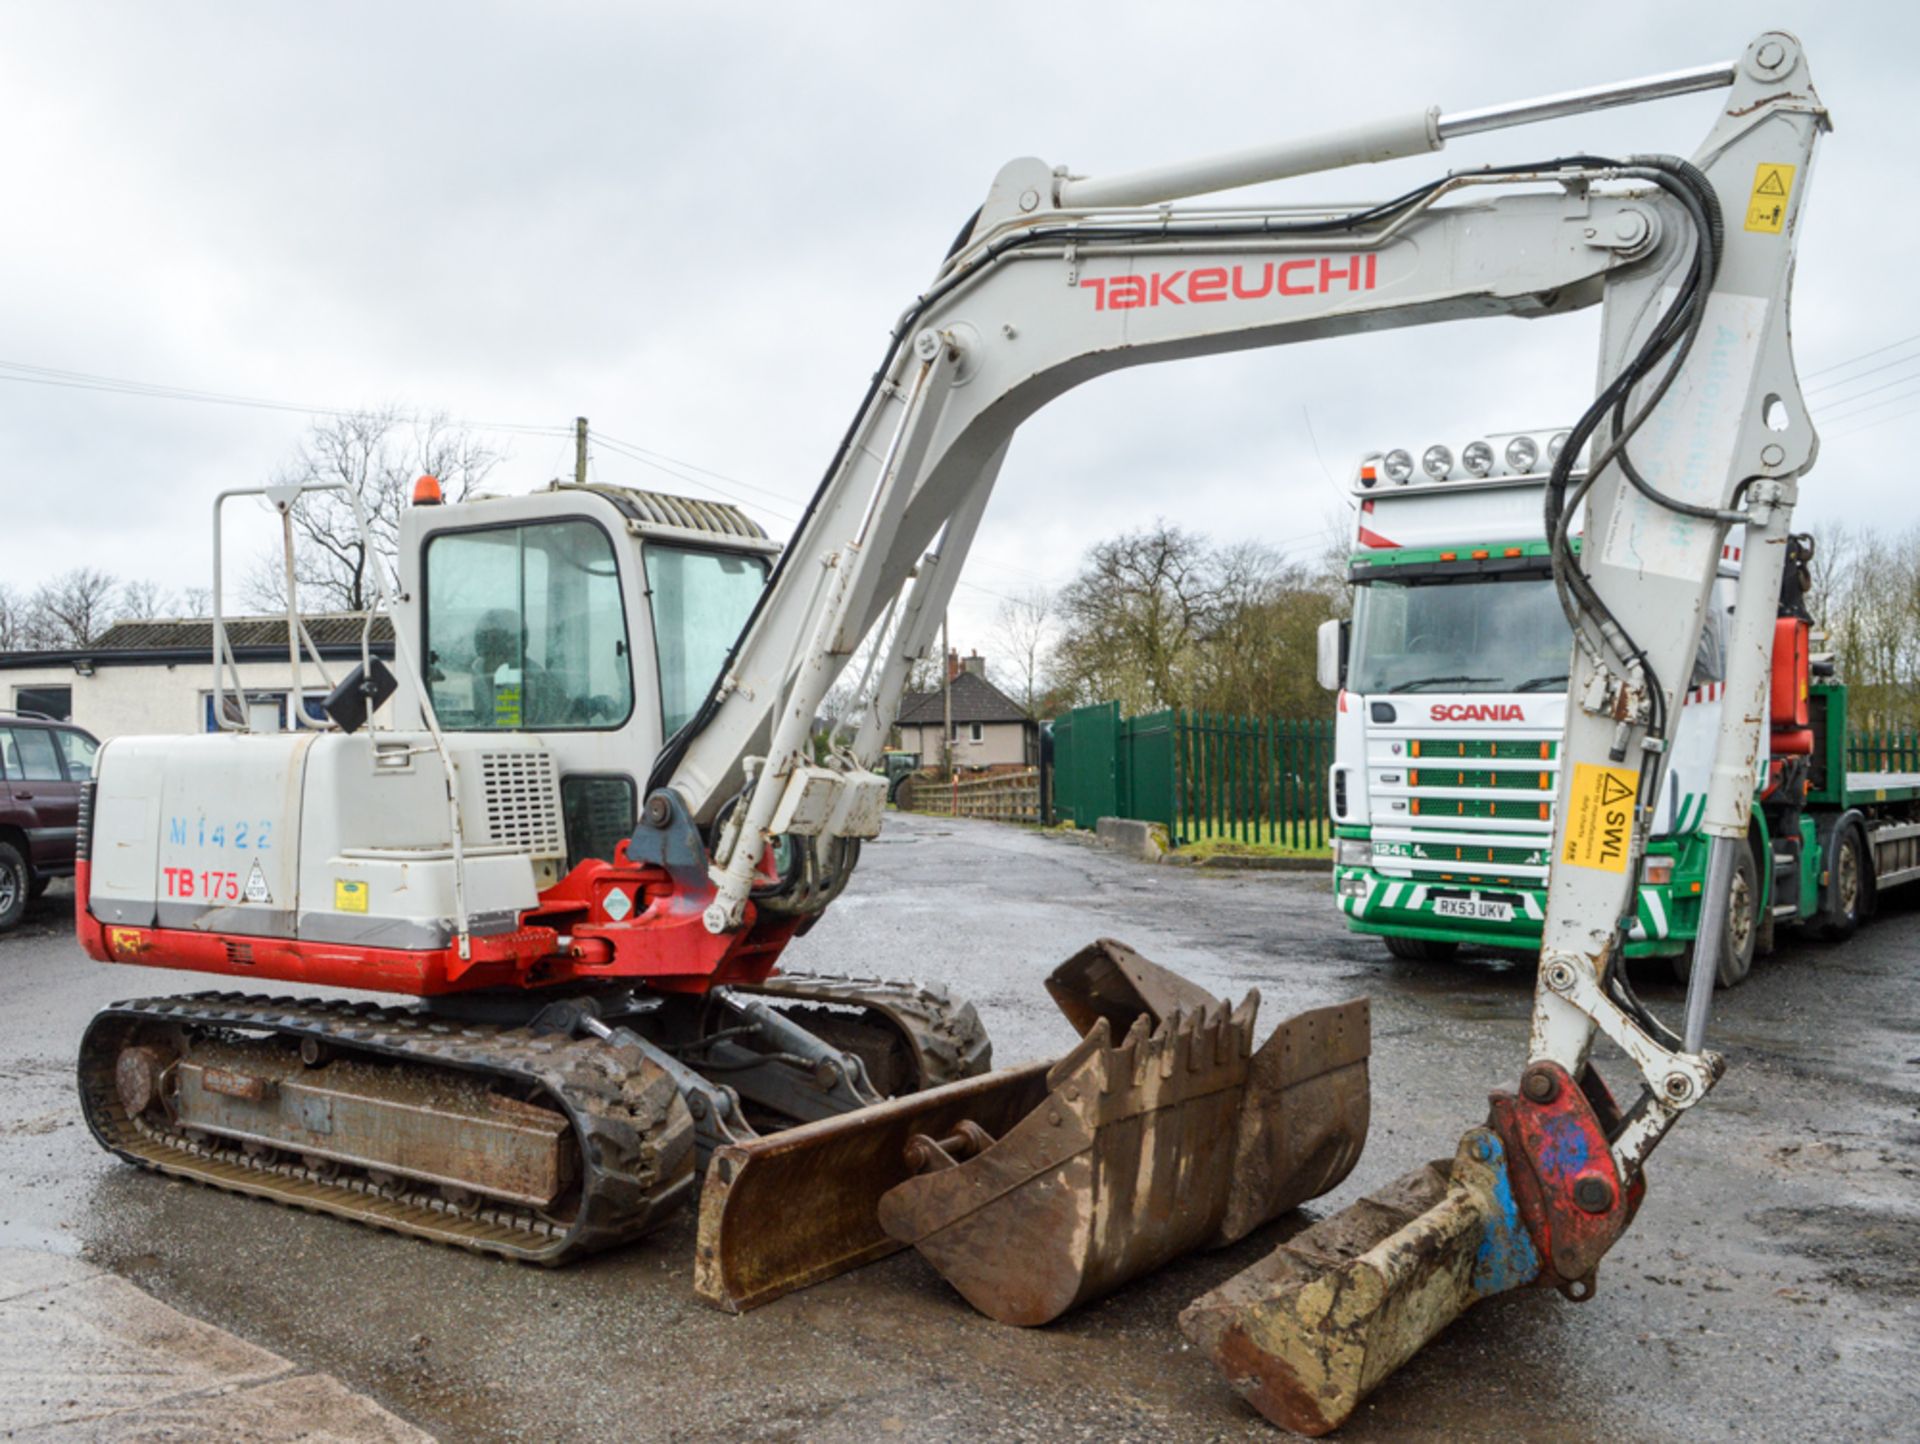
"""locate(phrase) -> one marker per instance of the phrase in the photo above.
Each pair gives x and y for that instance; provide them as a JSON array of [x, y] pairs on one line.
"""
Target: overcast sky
[[694, 224]]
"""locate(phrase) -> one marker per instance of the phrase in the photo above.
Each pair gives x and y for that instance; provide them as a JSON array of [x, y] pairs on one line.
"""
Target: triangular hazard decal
[[1612, 789], [1771, 185]]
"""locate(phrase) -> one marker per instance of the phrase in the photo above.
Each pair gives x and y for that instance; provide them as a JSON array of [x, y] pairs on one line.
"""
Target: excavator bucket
[[1308, 1331], [1036, 1189], [1533, 1197], [1179, 1136]]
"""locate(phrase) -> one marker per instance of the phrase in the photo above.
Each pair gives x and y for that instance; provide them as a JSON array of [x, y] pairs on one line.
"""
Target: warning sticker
[[1767, 206], [1600, 817], [257, 885], [349, 897]]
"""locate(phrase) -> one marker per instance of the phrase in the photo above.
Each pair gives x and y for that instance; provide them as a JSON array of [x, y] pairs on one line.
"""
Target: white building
[[156, 677]]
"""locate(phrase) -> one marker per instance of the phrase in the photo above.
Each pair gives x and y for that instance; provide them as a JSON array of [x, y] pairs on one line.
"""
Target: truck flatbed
[[1866, 788]]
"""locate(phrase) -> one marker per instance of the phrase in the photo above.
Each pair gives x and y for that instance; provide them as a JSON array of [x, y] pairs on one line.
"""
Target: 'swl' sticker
[[1600, 817]]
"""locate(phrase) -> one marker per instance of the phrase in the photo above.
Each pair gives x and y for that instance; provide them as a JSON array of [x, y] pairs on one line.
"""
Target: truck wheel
[[16, 881], [1421, 950], [1743, 928], [1846, 888]]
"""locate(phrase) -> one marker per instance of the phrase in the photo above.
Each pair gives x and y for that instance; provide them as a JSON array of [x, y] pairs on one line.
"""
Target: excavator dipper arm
[[1699, 425]]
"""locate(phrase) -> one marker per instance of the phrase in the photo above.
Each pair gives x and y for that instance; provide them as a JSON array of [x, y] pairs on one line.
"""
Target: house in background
[[991, 731], [156, 677]]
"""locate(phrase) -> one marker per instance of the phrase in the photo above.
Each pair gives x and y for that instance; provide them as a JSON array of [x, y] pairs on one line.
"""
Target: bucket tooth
[[1310, 1330]]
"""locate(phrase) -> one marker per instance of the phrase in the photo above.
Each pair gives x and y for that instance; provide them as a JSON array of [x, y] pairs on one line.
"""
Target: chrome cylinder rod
[[1411, 134]]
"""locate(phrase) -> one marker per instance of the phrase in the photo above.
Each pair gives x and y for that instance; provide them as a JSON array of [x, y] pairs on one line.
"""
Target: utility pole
[[946, 691], [579, 451]]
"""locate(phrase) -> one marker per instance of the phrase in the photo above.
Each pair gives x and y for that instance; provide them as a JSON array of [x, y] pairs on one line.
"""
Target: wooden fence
[[1000, 797]]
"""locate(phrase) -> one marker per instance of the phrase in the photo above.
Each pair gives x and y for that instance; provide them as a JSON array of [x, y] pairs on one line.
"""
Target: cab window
[[700, 600], [525, 629]]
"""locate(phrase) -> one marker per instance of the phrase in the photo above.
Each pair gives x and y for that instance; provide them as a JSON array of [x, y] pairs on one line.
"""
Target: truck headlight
[[1556, 444], [1477, 457], [1398, 465], [1353, 852], [1522, 453], [1436, 461], [1353, 887], [1658, 871]]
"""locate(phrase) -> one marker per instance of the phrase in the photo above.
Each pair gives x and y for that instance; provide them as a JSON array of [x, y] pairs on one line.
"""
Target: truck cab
[[1451, 680]]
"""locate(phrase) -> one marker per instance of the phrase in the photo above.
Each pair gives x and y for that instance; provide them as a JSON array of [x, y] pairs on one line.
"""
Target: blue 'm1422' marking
[[242, 835]]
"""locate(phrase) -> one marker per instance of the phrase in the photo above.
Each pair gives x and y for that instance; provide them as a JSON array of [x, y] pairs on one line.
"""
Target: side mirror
[[1331, 662]]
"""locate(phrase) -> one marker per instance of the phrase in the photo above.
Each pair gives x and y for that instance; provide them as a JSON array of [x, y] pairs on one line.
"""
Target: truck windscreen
[[1474, 634]]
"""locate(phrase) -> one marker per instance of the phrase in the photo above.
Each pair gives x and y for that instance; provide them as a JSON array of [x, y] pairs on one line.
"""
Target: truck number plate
[[1479, 910]]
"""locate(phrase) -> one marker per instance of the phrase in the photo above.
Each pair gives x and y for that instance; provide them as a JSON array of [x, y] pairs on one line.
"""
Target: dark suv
[[43, 765]]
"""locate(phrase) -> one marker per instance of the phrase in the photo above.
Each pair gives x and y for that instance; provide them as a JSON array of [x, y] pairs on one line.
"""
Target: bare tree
[[1022, 632], [143, 601], [196, 602], [74, 608], [377, 455], [15, 634]]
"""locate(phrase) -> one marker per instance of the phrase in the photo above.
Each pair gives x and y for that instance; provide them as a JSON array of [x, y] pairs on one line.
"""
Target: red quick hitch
[[1565, 1183]]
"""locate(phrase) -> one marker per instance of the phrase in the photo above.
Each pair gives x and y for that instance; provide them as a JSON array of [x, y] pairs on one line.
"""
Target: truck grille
[[1463, 777], [1504, 810], [1505, 748], [522, 802]]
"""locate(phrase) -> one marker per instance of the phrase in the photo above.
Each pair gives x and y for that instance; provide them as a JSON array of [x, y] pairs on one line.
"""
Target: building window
[[54, 702], [976, 732], [260, 711]]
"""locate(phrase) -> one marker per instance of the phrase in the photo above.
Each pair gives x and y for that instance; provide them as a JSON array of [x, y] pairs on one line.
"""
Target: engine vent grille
[[523, 804]]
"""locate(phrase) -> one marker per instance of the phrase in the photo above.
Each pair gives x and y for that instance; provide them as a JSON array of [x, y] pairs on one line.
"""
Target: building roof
[[190, 639], [338, 629], [975, 699]]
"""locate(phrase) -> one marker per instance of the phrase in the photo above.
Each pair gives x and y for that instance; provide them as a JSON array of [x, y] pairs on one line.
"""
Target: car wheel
[[16, 882], [1846, 887], [1421, 950], [1743, 928]]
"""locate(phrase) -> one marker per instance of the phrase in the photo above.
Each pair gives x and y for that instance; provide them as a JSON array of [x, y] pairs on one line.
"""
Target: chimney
[[953, 664], [976, 664]]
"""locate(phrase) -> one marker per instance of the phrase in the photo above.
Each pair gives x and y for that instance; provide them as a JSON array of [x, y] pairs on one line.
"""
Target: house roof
[[975, 699]]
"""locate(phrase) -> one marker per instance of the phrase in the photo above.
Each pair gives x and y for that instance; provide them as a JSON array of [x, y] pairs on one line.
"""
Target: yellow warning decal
[[1767, 206], [1600, 817], [349, 897]]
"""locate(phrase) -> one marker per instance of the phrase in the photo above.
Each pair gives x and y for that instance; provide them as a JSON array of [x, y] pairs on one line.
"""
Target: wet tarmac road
[[1770, 1288]]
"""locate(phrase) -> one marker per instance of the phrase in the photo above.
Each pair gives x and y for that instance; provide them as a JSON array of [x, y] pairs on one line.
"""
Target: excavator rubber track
[[944, 1039], [619, 1138]]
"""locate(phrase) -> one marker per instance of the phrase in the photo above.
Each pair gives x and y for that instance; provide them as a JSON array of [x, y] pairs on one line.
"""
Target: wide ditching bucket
[[1037, 1189]]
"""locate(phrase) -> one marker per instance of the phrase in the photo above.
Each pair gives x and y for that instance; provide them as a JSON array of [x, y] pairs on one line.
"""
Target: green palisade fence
[[1201, 775], [1891, 749]]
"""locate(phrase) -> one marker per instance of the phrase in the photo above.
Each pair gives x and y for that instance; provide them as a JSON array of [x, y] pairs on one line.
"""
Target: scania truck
[[1451, 678]]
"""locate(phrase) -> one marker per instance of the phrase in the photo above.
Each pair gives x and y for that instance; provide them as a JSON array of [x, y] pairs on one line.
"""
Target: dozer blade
[[788, 1210], [1308, 1331], [1174, 1139]]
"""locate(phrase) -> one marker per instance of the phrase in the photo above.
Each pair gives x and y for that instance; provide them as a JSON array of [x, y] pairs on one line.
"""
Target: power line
[[21, 372], [1870, 371], [1841, 415], [1863, 356]]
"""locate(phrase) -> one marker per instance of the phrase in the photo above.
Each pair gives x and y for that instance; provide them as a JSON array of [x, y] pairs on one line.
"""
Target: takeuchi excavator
[[581, 816]]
